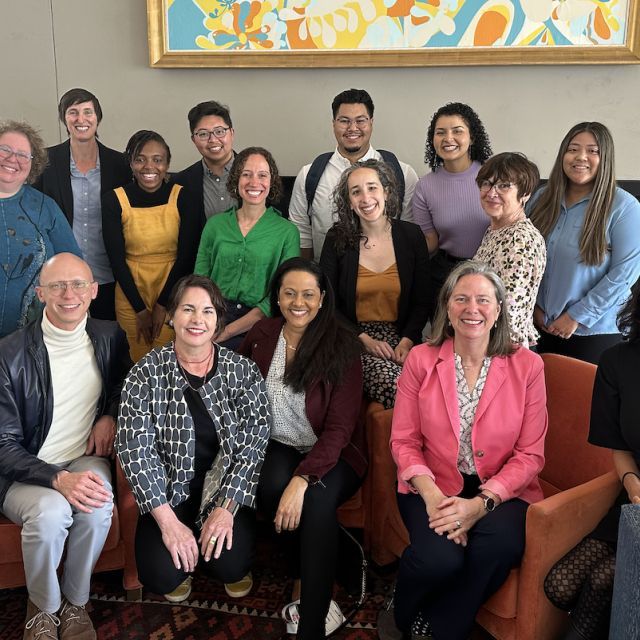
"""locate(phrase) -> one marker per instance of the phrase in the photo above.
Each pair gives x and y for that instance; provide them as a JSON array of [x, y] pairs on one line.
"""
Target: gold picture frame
[[160, 55]]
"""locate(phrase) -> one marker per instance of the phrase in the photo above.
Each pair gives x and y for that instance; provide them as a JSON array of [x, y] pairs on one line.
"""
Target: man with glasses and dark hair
[[212, 134], [311, 206], [61, 377]]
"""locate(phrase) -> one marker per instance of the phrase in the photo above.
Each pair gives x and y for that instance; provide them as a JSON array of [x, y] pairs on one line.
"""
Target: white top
[[290, 423], [76, 385], [312, 232], [467, 405]]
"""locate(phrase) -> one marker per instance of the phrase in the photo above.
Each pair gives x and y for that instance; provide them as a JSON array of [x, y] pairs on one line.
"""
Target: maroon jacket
[[334, 412]]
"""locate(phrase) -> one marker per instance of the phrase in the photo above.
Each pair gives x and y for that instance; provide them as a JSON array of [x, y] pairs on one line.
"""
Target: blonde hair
[[500, 337]]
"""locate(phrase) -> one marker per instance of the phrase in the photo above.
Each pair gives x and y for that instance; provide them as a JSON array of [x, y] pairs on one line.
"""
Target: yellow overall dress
[[151, 244]]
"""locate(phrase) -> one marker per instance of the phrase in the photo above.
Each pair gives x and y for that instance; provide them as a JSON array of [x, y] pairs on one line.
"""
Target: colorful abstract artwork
[[391, 26]]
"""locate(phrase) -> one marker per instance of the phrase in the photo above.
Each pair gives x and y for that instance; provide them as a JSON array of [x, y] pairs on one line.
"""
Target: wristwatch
[[489, 503]]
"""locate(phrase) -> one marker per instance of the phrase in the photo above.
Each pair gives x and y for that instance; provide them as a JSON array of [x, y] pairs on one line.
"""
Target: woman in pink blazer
[[468, 440]]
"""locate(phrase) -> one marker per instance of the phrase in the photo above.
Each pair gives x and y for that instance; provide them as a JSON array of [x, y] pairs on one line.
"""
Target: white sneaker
[[291, 616]]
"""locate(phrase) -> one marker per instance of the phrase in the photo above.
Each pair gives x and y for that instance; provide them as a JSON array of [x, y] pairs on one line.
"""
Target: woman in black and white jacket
[[192, 431]]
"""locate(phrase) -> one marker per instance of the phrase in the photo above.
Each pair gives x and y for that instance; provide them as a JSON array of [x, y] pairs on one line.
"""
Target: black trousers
[[313, 547], [587, 348], [235, 310], [104, 306], [155, 566], [449, 583]]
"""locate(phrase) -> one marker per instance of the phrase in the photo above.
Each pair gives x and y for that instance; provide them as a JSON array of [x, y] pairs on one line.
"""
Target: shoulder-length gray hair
[[500, 336]]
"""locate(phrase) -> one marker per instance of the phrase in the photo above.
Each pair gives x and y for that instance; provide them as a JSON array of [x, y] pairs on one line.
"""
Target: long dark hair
[[629, 315], [327, 348], [546, 209]]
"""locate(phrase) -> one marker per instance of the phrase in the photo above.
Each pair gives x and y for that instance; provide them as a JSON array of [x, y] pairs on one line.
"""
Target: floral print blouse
[[518, 254]]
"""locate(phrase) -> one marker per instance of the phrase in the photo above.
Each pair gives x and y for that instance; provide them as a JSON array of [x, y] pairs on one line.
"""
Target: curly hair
[[328, 348], [347, 229], [38, 150], [480, 147], [275, 191], [139, 139]]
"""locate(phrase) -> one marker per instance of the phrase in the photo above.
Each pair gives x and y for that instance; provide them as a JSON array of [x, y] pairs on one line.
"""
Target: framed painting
[[391, 33]]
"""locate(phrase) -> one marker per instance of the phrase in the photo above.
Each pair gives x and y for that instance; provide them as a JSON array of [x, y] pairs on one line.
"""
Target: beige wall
[[49, 46]]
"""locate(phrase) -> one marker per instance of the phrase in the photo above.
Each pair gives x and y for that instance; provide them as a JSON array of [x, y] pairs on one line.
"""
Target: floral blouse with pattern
[[518, 254]]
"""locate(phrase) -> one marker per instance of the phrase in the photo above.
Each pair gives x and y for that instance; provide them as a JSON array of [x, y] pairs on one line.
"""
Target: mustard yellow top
[[377, 294]]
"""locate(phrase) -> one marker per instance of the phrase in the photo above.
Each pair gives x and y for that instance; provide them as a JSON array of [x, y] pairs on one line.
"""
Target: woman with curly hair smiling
[[379, 268], [241, 248], [445, 202], [32, 226]]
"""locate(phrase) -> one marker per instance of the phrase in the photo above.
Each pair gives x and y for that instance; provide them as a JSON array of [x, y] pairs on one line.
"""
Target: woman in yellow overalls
[[151, 233]]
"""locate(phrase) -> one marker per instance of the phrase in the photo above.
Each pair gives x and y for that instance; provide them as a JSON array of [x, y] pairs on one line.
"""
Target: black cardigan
[[56, 179], [412, 260]]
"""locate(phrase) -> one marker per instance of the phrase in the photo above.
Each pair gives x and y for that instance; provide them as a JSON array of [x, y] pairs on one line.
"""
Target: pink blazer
[[507, 434]]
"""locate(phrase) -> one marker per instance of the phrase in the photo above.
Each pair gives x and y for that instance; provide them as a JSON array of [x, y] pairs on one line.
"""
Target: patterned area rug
[[208, 614]]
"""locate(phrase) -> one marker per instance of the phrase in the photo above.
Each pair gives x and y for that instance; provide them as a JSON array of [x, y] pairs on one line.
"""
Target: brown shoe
[[75, 623], [40, 625]]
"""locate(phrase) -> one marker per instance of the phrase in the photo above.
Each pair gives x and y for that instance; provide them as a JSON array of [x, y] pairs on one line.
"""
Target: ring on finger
[[458, 524], [212, 540]]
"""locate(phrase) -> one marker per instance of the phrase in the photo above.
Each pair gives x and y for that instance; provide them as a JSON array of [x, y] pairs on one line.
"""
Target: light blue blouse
[[591, 294]]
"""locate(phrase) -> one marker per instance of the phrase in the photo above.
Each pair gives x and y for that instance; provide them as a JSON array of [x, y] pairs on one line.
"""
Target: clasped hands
[[382, 349], [564, 326], [454, 517]]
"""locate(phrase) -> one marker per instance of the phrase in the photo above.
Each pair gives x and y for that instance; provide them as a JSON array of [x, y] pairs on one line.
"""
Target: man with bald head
[[61, 378]]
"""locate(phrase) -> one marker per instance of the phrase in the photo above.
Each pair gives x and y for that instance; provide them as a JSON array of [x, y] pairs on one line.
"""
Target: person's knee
[[228, 568], [159, 577], [432, 563], [51, 515]]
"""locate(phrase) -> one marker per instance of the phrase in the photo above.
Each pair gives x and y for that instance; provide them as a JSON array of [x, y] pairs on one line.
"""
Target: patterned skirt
[[380, 376]]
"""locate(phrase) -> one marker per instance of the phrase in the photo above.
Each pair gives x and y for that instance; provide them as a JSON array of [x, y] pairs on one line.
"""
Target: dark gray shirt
[[216, 197]]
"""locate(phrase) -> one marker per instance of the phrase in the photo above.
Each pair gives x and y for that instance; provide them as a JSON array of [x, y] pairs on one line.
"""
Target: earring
[[278, 302], [170, 323], [320, 306]]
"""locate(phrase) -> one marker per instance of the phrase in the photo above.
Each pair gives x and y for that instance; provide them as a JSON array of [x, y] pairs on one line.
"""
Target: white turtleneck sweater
[[76, 383]]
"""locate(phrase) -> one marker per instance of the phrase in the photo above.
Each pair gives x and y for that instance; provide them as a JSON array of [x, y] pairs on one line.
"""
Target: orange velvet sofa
[[579, 485], [118, 551]]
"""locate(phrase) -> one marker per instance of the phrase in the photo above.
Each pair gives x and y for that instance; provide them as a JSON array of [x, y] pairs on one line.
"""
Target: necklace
[[286, 342], [186, 375], [193, 361]]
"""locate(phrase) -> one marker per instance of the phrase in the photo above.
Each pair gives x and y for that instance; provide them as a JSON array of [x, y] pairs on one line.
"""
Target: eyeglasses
[[501, 187], [345, 123], [58, 288], [21, 157], [205, 134]]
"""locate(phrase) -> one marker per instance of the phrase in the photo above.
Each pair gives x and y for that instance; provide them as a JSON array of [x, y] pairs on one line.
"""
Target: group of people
[[237, 366]]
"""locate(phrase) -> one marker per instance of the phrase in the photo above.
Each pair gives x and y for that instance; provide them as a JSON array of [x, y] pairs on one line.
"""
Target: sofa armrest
[[554, 526], [383, 481], [128, 513]]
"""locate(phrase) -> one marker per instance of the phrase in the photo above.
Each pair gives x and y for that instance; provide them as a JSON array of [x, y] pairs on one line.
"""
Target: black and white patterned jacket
[[155, 440]]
